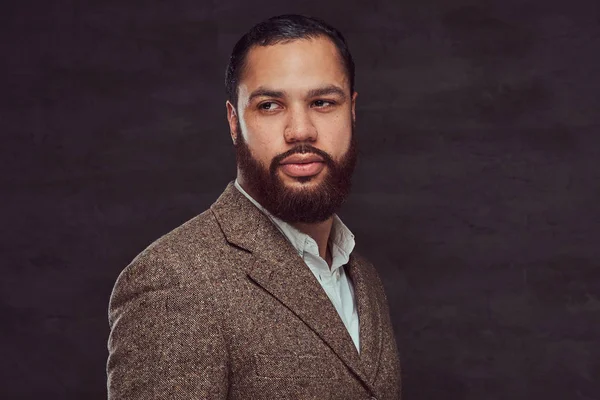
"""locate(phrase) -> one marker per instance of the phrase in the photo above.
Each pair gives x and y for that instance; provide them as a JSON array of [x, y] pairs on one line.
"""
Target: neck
[[320, 232]]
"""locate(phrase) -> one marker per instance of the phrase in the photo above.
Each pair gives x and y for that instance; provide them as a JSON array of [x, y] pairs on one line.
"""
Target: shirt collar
[[341, 239]]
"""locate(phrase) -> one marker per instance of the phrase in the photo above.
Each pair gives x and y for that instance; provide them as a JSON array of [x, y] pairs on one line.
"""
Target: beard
[[298, 205]]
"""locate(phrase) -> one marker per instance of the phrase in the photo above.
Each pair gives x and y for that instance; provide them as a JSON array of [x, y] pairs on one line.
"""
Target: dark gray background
[[476, 195]]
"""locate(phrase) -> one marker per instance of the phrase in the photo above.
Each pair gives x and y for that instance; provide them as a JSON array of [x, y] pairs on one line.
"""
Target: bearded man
[[262, 295]]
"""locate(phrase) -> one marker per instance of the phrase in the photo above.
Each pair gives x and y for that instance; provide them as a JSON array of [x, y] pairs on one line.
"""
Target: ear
[[354, 96], [232, 119]]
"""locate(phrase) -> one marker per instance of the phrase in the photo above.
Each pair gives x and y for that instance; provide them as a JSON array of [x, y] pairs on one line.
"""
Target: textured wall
[[476, 195]]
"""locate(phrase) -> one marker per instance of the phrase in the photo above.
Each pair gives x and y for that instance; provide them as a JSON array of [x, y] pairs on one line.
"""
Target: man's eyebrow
[[278, 94], [327, 90], [265, 92]]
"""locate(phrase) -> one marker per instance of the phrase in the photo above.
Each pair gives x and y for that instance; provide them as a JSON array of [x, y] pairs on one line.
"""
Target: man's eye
[[268, 106], [322, 103]]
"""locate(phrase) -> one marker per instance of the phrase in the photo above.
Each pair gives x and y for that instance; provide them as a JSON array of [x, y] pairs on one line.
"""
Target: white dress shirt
[[334, 281]]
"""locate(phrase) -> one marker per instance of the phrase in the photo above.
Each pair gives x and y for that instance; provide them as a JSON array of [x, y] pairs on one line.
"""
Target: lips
[[302, 165], [302, 159]]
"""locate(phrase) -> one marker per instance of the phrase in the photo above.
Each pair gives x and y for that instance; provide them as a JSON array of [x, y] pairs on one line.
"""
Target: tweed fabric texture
[[223, 307]]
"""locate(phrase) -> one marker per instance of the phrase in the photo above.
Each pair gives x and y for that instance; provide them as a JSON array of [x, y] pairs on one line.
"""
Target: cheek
[[337, 141], [263, 143]]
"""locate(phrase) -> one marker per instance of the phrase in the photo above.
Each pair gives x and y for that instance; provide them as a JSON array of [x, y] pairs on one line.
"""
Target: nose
[[299, 127]]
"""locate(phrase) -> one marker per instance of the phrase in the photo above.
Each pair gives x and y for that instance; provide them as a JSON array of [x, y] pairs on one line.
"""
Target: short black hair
[[281, 29]]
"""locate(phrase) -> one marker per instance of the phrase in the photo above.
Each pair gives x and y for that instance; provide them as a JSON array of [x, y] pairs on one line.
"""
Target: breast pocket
[[294, 366]]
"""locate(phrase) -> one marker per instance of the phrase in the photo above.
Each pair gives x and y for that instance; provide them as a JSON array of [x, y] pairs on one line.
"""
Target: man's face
[[293, 129]]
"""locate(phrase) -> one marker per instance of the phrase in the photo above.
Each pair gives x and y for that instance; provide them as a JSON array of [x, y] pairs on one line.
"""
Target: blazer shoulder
[[360, 259], [191, 248], [191, 239], [364, 264], [369, 272]]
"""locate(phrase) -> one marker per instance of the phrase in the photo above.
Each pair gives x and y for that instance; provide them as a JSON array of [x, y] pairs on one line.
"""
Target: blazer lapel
[[369, 315], [279, 269]]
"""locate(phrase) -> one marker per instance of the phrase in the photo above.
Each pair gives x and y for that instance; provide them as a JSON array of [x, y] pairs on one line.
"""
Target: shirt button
[[337, 274]]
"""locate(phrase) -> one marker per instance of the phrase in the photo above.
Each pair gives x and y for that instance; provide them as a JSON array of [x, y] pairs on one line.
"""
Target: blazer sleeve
[[166, 340]]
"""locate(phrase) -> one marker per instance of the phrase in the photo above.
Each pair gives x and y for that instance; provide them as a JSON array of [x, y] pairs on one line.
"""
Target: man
[[262, 296]]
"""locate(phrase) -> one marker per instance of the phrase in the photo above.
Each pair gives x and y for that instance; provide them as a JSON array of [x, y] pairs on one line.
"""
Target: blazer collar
[[279, 270]]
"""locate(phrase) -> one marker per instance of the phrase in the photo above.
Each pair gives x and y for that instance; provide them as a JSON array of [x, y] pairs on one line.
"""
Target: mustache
[[302, 149]]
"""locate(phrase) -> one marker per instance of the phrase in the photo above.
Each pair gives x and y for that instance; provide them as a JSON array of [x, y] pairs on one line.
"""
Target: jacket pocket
[[293, 366]]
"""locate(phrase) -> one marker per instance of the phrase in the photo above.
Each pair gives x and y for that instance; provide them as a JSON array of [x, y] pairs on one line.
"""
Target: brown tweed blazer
[[223, 307]]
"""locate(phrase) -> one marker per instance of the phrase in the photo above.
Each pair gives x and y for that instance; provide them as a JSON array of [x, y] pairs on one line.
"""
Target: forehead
[[298, 65]]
